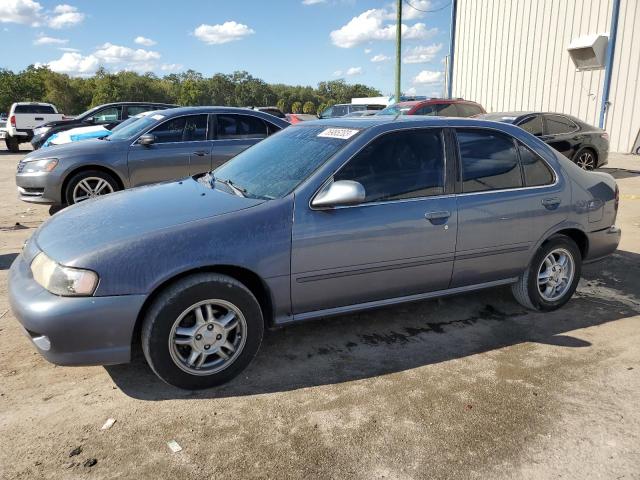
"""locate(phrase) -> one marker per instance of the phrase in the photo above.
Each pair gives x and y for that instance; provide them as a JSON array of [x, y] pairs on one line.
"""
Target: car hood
[[87, 147], [127, 216], [57, 123]]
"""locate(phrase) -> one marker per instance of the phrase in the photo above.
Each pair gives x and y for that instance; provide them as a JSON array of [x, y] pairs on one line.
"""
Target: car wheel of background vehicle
[[12, 144], [202, 331], [89, 184], [586, 159], [552, 276]]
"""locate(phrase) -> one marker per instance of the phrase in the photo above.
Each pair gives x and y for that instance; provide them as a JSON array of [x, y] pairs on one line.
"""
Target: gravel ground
[[466, 387]]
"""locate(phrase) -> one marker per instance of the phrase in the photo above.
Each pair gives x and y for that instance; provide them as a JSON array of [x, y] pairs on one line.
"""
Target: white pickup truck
[[23, 118]]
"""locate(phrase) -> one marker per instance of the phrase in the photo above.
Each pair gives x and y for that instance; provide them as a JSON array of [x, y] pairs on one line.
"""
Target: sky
[[297, 42]]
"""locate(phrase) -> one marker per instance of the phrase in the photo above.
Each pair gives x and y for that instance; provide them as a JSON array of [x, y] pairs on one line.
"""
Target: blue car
[[323, 218]]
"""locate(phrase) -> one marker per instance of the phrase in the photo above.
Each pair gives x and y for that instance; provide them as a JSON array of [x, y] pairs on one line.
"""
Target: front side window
[[447, 110], [532, 124], [426, 110], [558, 125], [396, 109], [136, 109], [231, 127], [536, 172], [399, 165], [489, 161], [107, 115], [182, 129]]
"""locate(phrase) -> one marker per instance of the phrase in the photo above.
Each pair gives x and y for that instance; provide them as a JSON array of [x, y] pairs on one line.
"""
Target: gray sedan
[[321, 219], [165, 145]]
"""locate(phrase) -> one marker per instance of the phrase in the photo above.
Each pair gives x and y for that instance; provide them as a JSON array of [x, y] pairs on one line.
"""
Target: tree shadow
[[404, 337]]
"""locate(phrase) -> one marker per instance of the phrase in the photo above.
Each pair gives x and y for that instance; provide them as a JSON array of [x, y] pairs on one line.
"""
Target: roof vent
[[589, 52]]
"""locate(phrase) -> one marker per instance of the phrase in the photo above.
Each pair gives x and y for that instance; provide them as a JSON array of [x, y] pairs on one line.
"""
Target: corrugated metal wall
[[512, 55]]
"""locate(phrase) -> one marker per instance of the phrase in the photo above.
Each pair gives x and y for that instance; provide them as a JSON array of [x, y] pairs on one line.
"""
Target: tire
[[585, 164], [12, 144], [527, 290], [92, 178], [162, 322]]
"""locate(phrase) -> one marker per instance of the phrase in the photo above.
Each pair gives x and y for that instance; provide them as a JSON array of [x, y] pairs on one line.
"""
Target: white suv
[[23, 118]]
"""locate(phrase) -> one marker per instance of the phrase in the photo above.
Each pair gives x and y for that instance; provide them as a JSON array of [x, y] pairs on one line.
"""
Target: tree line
[[73, 95]]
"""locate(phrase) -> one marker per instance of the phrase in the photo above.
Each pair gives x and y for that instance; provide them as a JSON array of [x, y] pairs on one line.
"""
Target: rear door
[[532, 124], [559, 132], [181, 149], [235, 133]]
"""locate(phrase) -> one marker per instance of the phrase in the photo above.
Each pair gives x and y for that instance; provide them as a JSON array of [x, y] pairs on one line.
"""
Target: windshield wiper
[[241, 192]]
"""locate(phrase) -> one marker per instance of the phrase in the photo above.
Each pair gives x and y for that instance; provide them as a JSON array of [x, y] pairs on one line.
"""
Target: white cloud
[[354, 71], [410, 13], [422, 54], [74, 63], [428, 77], [313, 2], [373, 25], [67, 49], [147, 42], [171, 67], [367, 51], [224, 33], [380, 58], [411, 91], [65, 16], [30, 12], [44, 40], [26, 12], [337, 73]]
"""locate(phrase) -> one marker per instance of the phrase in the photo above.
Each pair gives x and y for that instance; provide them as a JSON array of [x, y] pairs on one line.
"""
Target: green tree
[[296, 107], [309, 107]]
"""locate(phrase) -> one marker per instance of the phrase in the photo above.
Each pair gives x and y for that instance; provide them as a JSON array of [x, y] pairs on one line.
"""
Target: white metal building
[[552, 55]]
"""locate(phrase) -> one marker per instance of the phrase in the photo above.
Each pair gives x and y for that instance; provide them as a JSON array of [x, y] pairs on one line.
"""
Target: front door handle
[[551, 203], [437, 218], [200, 154]]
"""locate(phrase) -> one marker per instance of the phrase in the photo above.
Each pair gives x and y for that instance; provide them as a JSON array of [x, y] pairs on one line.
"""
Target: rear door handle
[[39, 118], [200, 154], [437, 218], [551, 203]]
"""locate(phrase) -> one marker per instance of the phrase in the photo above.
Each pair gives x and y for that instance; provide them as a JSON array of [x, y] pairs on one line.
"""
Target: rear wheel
[[586, 159], [12, 144], [552, 276], [202, 331], [89, 184]]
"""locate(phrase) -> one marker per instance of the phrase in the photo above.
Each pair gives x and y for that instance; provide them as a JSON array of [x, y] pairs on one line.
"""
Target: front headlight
[[44, 165], [61, 280]]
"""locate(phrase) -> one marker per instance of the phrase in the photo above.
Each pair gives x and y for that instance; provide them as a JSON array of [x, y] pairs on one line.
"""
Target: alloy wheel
[[586, 161], [555, 274], [91, 187], [207, 337]]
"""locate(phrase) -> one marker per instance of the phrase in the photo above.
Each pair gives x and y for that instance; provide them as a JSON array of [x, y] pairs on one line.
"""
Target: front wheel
[[552, 276], [89, 184], [202, 331]]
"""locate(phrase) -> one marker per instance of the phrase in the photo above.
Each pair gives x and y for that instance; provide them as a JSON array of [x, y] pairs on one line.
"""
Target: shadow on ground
[[414, 335], [620, 173], [6, 259]]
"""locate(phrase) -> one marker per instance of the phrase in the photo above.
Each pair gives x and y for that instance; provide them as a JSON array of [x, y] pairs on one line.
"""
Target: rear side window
[[133, 110], [107, 115], [240, 126], [468, 110], [557, 125], [532, 124], [535, 170], [399, 165], [447, 110], [489, 161], [42, 109], [426, 110]]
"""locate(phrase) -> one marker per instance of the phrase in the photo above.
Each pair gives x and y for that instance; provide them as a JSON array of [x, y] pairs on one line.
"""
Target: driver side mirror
[[147, 139], [340, 193]]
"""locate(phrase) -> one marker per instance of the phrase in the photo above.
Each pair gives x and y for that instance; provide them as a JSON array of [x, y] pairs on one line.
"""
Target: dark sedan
[[164, 145], [585, 145], [109, 115]]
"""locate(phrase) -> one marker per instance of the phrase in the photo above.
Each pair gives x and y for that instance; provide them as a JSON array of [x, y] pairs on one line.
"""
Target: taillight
[[604, 135], [12, 120]]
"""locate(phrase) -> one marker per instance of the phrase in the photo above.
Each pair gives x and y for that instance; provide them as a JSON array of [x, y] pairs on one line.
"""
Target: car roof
[[137, 103], [174, 112], [431, 101], [366, 123]]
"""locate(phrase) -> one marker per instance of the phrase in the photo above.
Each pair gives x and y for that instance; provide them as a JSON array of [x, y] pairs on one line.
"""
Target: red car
[[443, 107]]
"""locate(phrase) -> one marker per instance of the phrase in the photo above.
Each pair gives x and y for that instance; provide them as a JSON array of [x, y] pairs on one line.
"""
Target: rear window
[[43, 109], [557, 125]]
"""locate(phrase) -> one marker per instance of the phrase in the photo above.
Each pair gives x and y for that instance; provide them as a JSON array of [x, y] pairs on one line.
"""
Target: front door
[[181, 148], [400, 241]]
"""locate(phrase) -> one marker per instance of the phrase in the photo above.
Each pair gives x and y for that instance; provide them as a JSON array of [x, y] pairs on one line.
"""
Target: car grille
[[20, 167]]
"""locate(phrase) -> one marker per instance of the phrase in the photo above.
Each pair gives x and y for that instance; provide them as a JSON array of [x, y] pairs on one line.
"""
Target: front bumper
[[603, 243], [39, 187], [73, 330]]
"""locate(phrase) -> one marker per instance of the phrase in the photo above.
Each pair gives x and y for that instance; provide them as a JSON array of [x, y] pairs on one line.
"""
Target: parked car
[[108, 115], [275, 111], [342, 109], [444, 107], [300, 117], [321, 219], [3, 129], [363, 113], [166, 145], [587, 146], [24, 117]]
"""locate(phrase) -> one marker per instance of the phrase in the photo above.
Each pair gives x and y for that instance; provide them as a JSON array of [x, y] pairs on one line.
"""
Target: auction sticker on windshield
[[343, 133]]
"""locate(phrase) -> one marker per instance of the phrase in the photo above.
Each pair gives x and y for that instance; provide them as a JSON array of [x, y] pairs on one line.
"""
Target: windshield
[[135, 128], [395, 110], [277, 165]]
